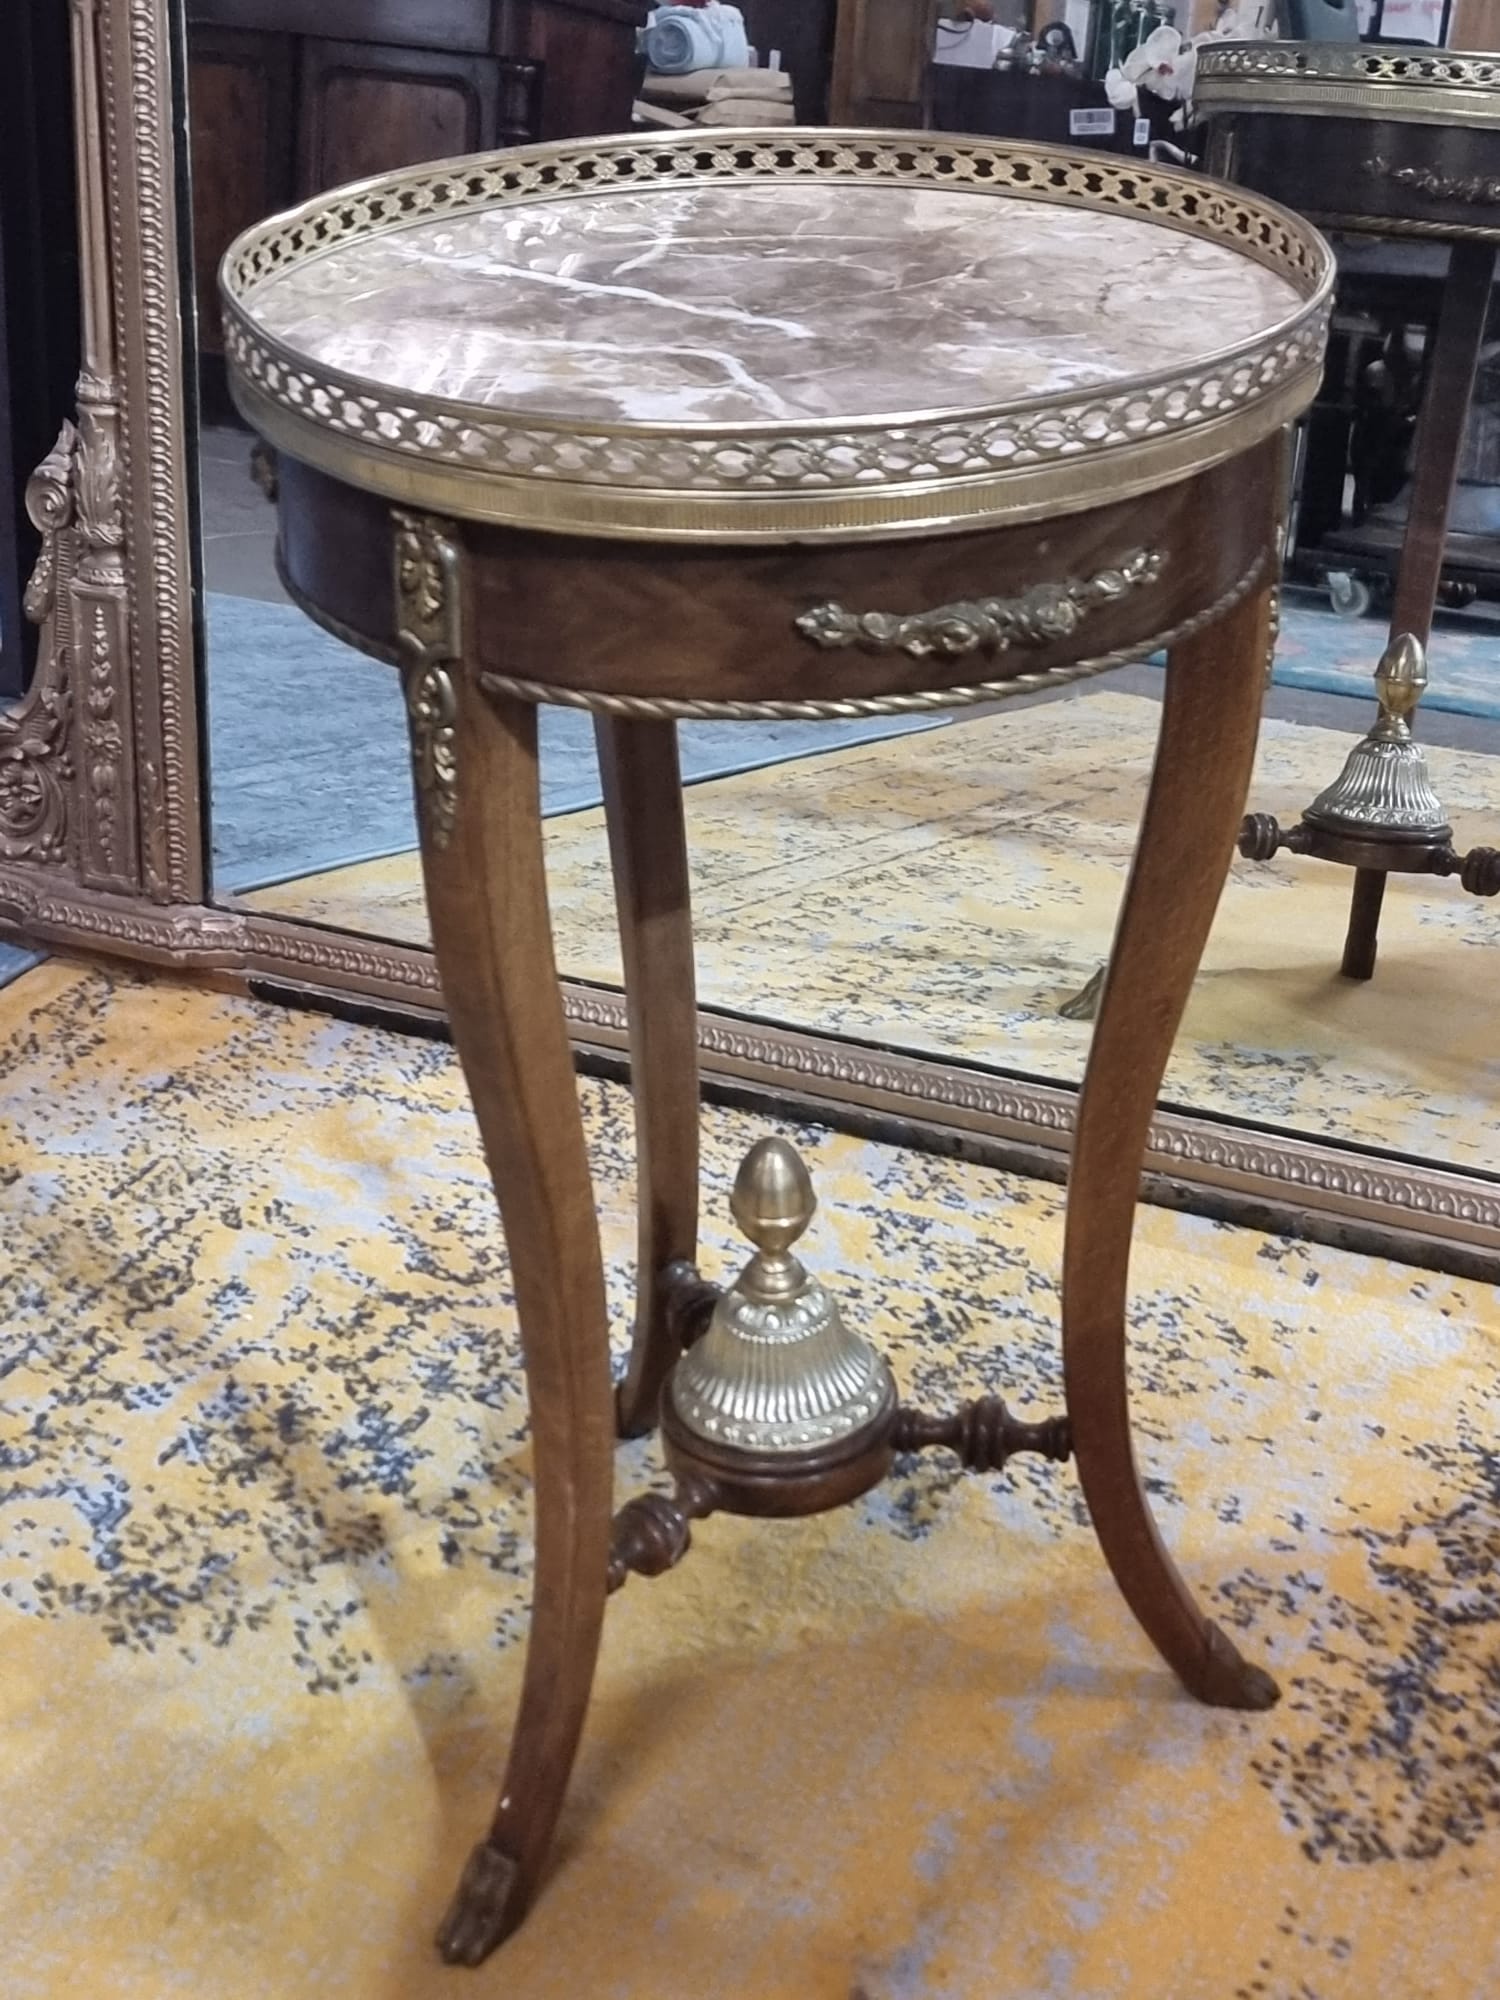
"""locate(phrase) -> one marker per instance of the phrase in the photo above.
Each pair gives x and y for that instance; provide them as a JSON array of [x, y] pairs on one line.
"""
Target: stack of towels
[[718, 97]]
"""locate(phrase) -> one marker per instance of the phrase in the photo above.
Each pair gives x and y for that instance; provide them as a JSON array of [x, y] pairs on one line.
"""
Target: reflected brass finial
[[778, 1370], [1384, 787], [1401, 679]]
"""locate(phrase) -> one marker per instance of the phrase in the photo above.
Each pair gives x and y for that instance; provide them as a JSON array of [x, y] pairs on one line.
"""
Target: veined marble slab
[[715, 304]]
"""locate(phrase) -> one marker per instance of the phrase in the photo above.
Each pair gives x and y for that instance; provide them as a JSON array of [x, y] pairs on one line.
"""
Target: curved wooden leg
[[648, 852], [482, 857], [1203, 760]]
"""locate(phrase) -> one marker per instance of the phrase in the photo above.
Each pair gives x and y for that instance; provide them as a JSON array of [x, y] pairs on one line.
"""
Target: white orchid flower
[[1157, 53], [1120, 91], [1163, 64]]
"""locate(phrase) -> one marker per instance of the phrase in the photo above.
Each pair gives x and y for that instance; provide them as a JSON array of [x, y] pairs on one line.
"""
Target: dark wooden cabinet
[[12, 644], [240, 148], [802, 31], [39, 338], [585, 50], [880, 61], [884, 75], [369, 106], [289, 97]]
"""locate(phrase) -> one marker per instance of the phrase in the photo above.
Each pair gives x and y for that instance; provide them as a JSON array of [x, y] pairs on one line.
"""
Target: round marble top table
[[1384, 141], [771, 425]]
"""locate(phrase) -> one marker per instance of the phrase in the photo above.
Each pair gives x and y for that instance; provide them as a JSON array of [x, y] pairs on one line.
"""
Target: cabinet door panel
[[423, 24], [880, 61], [240, 149], [367, 108], [590, 70], [1476, 25]]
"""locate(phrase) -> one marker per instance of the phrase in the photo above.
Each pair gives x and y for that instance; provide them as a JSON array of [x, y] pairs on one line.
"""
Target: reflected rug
[[946, 893], [288, 703], [16, 959], [264, 1549], [1333, 655]]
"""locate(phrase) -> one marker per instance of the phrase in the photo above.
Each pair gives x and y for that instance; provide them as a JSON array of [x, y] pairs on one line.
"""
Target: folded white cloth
[[660, 117], [747, 111], [683, 38], [702, 86]]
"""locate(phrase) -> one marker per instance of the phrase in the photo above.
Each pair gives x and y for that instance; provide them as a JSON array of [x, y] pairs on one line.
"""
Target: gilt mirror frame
[[103, 784]]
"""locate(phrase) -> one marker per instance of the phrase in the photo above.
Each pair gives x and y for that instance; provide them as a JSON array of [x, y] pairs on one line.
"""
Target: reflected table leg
[[648, 854], [1381, 815]]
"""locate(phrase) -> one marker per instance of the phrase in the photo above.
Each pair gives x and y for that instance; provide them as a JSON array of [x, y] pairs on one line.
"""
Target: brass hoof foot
[[481, 1914], [1226, 1679], [1084, 1005]]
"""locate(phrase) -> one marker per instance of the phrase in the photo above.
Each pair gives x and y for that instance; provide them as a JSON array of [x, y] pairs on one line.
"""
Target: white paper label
[[1142, 132], [1097, 124], [1406, 20], [774, 59], [970, 44]]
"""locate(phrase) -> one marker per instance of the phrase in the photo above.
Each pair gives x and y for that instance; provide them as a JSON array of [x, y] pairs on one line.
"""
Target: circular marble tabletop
[[675, 341]]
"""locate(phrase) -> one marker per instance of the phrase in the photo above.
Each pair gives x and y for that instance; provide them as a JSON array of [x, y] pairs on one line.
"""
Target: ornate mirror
[[898, 917]]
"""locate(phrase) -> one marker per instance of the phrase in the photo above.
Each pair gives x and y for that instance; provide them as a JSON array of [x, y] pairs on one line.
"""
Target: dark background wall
[[803, 31], [38, 288]]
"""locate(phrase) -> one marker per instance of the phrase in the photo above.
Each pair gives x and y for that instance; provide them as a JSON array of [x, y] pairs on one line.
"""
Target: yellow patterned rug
[[264, 1548], [946, 892]]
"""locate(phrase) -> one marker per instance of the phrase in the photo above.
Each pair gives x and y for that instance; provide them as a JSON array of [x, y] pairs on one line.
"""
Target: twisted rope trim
[[1400, 225], [669, 708]]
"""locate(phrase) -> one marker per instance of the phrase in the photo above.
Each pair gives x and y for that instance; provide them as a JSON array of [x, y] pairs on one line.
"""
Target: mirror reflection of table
[[1383, 142], [774, 426]]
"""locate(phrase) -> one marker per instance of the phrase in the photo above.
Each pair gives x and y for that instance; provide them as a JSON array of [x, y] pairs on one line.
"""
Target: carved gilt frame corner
[[99, 767], [103, 806]]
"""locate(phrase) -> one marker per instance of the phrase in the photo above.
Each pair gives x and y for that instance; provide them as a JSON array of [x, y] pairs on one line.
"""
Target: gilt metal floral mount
[[427, 620], [1477, 190], [1045, 613]]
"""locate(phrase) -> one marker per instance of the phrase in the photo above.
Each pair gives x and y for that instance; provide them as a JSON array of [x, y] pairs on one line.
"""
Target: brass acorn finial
[[777, 1370], [773, 1199], [1401, 677], [1384, 788], [773, 1202]]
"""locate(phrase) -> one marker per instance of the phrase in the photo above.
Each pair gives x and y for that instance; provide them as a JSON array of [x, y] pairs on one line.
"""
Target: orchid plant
[[1165, 61]]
